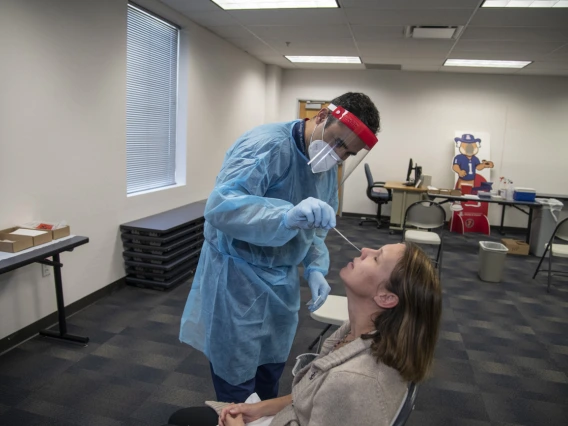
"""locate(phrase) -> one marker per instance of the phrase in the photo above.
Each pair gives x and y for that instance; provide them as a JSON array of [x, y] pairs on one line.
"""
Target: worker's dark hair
[[362, 106]]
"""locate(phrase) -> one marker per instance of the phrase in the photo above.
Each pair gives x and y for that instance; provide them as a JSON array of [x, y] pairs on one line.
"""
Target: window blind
[[151, 99]]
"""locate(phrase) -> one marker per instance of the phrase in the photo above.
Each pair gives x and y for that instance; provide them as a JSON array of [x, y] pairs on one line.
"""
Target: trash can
[[544, 221], [491, 261]]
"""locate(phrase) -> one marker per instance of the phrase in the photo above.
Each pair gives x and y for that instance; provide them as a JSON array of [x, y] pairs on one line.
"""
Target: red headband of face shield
[[354, 124]]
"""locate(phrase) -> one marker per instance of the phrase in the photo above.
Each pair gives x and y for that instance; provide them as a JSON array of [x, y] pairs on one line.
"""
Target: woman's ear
[[386, 300]]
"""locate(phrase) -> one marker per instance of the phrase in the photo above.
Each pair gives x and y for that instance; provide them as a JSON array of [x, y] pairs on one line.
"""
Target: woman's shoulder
[[365, 364]]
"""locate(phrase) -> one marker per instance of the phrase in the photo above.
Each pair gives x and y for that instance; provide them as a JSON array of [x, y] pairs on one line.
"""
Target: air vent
[[391, 67], [433, 32]]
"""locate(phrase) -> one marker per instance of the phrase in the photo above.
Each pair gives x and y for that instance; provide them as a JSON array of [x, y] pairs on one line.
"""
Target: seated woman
[[362, 373]]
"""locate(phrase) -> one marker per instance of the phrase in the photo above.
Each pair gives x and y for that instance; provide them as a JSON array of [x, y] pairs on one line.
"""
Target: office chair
[[377, 193], [426, 216], [558, 250]]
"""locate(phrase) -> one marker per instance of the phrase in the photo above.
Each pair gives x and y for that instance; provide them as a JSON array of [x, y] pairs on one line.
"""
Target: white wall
[[273, 90], [63, 130], [527, 118]]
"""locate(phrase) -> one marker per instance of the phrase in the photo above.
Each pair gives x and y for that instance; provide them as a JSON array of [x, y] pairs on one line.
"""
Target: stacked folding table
[[161, 251]]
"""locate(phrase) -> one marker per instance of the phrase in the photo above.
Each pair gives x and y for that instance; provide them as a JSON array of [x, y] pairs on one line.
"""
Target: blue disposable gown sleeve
[[237, 205], [317, 258]]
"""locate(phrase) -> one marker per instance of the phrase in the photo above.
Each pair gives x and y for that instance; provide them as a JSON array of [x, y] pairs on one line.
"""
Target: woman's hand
[[231, 420], [247, 412]]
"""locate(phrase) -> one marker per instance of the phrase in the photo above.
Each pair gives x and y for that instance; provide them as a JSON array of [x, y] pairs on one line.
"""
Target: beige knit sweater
[[343, 387]]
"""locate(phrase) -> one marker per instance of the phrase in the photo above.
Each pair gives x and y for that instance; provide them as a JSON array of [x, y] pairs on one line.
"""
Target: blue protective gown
[[242, 310]]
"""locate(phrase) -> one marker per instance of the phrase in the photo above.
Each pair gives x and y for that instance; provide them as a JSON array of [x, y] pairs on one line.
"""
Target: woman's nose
[[364, 253]]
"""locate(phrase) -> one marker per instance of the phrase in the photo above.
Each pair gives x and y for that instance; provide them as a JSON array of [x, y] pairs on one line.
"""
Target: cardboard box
[[518, 247], [15, 243], [36, 241], [433, 191], [56, 233], [61, 232], [456, 192], [445, 192]]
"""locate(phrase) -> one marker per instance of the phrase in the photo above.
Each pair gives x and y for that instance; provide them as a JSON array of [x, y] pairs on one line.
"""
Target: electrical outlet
[[45, 270]]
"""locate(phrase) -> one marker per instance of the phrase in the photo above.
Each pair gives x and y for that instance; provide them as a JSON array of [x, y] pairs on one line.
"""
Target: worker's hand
[[310, 213], [462, 173], [319, 288], [249, 412]]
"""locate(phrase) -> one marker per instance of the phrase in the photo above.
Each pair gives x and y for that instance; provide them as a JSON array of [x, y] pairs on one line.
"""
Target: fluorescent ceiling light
[[483, 63], [325, 59], [274, 4], [525, 3]]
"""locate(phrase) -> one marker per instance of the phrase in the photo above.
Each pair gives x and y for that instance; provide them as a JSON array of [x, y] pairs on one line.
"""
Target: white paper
[[28, 232]]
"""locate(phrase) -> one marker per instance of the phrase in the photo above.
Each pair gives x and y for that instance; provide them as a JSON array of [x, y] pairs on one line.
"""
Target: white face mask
[[322, 156]]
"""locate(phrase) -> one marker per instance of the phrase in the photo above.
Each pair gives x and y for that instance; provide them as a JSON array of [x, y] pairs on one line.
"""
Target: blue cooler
[[524, 194]]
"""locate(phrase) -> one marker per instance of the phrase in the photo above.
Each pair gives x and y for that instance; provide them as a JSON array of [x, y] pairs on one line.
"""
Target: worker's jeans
[[265, 384]]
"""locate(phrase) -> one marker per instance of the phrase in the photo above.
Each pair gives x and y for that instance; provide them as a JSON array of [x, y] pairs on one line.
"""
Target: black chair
[[407, 406], [555, 250], [377, 193]]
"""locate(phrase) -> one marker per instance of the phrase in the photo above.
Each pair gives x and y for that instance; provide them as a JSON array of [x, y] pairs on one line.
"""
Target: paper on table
[[28, 232]]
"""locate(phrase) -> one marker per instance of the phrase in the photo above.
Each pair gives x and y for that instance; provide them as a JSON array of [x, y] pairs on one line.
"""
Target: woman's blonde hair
[[407, 334]]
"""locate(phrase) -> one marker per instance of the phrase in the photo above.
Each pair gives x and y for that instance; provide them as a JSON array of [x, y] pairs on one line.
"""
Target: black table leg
[[528, 237], [62, 333], [502, 219]]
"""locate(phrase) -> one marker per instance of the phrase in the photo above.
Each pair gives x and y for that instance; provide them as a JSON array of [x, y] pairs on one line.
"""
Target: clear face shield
[[344, 142]]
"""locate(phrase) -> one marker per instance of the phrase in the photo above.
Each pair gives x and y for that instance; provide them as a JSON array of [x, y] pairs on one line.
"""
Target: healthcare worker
[[274, 200]]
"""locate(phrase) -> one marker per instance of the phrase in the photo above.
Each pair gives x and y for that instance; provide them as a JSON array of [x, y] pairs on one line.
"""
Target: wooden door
[[309, 109]]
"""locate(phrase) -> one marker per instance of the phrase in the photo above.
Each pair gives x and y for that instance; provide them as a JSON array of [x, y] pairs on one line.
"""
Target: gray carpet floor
[[502, 357]]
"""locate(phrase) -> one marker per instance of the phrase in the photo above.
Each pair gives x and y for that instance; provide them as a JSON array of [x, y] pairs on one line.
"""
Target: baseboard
[[14, 339]]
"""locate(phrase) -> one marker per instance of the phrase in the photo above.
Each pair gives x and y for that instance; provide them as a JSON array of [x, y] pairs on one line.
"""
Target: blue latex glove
[[310, 213], [319, 288]]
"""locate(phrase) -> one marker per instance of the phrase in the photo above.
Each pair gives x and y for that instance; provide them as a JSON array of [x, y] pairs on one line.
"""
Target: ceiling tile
[[252, 46], [479, 70], [372, 32], [409, 4], [213, 18], [559, 73], [231, 31], [290, 17], [543, 65], [515, 34], [423, 68], [408, 17], [396, 48], [276, 60], [296, 32], [314, 50], [529, 17], [559, 54], [506, 47], [496, 56], [341, 44], [193, 5]]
